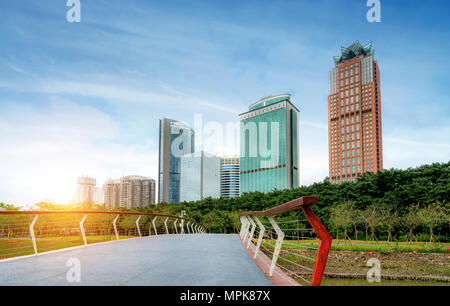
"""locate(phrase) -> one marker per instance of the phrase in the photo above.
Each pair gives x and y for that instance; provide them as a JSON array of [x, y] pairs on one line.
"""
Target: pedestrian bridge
[[154, 255], [169, 260]]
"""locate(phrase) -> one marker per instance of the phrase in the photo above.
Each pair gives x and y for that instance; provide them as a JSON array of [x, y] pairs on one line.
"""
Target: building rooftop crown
[[269, 100], [354, 50]]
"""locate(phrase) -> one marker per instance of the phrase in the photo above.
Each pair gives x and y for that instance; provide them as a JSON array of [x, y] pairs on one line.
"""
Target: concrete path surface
[[166, 260]]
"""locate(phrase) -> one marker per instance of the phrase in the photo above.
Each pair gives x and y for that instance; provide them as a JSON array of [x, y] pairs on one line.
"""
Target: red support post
[[324, 245]]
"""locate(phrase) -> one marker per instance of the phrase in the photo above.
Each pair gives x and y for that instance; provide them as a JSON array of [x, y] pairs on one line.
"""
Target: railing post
[[82, 229], [277, 250], [154, 226], [187, 226], [252, 232], [262, 229], [192, 228], [165, 223], [183, 213], [324, 245], [175, 226], [241, 232], [115, 227], [137, 225], [247, 227], [33, 238]]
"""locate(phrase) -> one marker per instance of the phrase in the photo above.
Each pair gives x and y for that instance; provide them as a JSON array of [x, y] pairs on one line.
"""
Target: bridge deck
[[172, 260]]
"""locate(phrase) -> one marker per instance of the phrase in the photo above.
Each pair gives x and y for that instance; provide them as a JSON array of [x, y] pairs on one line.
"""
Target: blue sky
[[85, 98]]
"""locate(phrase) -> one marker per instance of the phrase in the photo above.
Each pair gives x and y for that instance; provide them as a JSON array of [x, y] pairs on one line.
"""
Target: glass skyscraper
[[175, 140], [200, 177], [269, 145], [229, 177]]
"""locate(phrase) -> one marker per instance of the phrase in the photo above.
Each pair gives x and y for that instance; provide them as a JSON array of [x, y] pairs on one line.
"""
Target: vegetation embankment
[[416, 261]]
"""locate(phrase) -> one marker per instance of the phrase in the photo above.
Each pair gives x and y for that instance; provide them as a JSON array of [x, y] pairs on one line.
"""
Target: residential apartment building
[[87, 192], [130, 192], [111, 189]]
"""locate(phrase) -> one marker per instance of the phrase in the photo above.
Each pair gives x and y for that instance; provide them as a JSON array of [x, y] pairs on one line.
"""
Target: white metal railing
[[299, 247], [34, 232]]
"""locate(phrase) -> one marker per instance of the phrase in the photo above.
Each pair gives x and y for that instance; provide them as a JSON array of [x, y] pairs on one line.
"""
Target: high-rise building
[[354, 115], [200, 177], [111, 189], [130, 192], [87, 192], [269, 145], [175, 140], [229, 177]]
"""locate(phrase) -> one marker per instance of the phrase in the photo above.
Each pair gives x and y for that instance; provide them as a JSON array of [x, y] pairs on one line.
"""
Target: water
[[364, 282]]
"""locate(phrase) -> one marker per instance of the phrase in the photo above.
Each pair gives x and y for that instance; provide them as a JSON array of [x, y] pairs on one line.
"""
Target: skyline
[[86, 98]]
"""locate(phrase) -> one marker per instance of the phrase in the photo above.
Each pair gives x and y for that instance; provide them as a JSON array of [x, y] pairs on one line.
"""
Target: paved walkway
[[170, 260]]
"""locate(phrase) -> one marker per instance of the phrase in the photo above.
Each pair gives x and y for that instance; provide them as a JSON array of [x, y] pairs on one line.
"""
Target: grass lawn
[[23, 246]]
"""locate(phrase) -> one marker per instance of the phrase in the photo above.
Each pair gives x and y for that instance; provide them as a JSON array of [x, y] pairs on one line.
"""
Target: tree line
[[388, 221], [401, 205]]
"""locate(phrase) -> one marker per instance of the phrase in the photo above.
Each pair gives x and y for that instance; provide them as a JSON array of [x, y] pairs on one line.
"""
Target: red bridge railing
[[33, 232], [299, 247]]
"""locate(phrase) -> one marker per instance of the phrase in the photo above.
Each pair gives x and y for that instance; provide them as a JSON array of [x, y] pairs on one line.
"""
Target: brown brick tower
[[354, 115]]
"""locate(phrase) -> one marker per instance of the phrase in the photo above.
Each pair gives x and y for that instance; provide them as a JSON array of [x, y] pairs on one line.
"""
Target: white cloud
[[122, 93], [412, 148], [44, 150]]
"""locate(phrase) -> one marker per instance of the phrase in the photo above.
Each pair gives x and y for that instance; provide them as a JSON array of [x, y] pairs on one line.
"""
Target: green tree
[[356, 221], [371, 218], [128, 223], [412, 220], [341, 216], [433, 215], [390, 218]]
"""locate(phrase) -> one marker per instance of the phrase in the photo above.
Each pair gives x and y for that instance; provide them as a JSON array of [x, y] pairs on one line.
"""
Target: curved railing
[[33, 232], [301, 253]]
